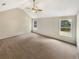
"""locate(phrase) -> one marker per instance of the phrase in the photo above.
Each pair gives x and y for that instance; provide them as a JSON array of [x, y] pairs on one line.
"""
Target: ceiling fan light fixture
[[34, 11], [35, 8]]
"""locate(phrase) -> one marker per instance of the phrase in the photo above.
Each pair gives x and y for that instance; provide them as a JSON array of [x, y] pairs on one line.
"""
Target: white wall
[[14, 22], [50, 27], [78, 31]]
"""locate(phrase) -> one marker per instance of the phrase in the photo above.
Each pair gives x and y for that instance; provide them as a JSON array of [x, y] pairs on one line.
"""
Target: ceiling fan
[[35, 8]]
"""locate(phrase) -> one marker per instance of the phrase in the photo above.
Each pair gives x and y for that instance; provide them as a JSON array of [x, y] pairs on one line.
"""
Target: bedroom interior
[[39, 29]]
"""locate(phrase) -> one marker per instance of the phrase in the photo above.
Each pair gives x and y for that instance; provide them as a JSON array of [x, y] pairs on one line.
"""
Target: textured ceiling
[[50, 7], [55, 8]]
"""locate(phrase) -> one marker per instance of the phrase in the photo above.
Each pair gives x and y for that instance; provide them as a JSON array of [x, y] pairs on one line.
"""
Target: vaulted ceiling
[[50, 7]]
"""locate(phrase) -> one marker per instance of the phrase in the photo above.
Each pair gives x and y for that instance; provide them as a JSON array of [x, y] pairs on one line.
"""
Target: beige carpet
[[32, 46]]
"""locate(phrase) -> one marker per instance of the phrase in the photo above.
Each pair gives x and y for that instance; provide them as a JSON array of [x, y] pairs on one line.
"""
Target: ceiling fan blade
[[28, 8], [40, 10]]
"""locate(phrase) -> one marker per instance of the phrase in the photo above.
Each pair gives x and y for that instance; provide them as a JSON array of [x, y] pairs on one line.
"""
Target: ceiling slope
[[50, 7]]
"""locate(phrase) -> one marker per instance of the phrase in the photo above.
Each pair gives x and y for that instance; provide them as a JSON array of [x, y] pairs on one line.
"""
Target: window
[[65, 27], [35, 24]]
